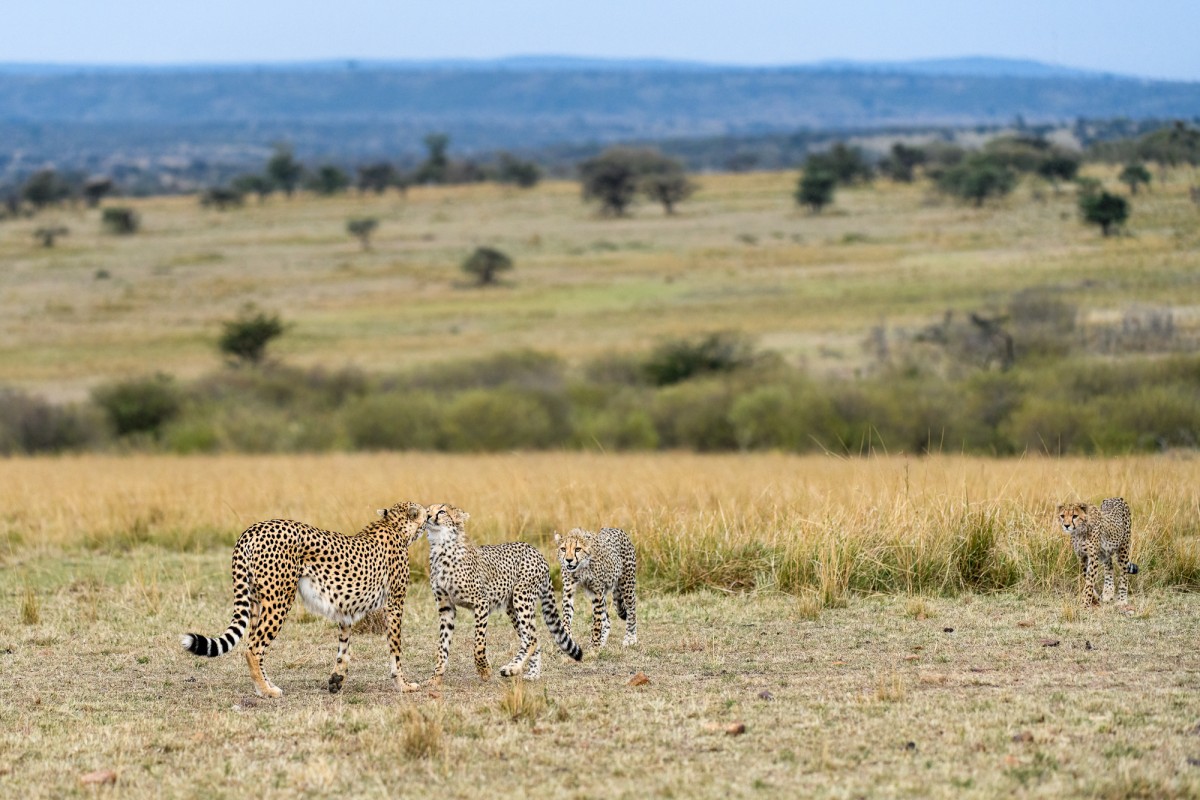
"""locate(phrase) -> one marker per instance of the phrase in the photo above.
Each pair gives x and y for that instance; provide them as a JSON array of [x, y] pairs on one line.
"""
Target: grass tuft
[[31, 612], [521, 702], [890, 688], [809, 604], [422, 734]]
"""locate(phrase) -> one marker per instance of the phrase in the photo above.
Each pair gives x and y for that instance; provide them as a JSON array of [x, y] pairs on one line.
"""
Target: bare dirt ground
[[978, 696]]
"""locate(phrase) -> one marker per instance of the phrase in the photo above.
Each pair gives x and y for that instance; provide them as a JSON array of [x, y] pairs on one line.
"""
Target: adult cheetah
[[337, 576]]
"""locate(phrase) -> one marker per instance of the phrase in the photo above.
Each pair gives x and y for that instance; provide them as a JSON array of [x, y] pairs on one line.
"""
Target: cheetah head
[[574, 549], [445, 524], [1073, 517], [408, 517]]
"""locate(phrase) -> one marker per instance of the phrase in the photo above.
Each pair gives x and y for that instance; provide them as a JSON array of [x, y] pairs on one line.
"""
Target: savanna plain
[[820, 625]]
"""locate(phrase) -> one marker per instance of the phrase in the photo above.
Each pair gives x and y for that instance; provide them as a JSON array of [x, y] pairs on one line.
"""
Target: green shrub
[[488, 420], [695, 415], [682, 359], [30, 424], [246, 337], [140, 405], [789, 417], [120, 220], [395, 421], [527, 369]]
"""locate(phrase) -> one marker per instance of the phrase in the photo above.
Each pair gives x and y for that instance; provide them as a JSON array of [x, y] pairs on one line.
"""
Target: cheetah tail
[[554, 623], [1131, 568], [219, 646]]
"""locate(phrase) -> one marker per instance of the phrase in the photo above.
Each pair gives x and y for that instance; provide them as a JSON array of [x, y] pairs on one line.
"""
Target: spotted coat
[[601, 564], [513, 576], [337, 576], [1100, 535]]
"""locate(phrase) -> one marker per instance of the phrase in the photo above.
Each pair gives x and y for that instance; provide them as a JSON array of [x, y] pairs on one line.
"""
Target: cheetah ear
[[415, 511], [557, 538], [464, 516], [381, 512], [1060, 509]]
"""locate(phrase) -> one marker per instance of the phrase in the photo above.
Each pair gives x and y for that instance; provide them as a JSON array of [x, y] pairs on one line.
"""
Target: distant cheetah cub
[[1100, 535], [601, 563]]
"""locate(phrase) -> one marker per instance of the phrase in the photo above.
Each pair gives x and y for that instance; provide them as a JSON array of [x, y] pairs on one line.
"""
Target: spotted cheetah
[[1100, 535], [513, 576], [601, 563], [337, 576]]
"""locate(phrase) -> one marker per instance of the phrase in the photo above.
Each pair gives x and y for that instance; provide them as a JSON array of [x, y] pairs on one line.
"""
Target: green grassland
[[739, 256]]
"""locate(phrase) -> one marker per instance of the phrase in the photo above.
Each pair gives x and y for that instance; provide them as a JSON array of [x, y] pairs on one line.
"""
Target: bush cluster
[[710, 394]]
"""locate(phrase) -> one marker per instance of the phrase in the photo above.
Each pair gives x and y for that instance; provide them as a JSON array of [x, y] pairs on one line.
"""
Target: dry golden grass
[[936, 525], [739, 256]]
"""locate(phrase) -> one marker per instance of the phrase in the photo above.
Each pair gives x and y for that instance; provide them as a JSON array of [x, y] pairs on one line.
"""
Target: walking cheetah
[[601, 563], [1100, 535], [513, 576], [340, 577]]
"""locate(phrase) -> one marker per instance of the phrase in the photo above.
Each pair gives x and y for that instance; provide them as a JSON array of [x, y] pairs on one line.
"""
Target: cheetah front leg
[[601, 624], [1090, 596], [481, 660], [568, 600], [445, 634], [342, 665], [1107, 594], [395, 620]]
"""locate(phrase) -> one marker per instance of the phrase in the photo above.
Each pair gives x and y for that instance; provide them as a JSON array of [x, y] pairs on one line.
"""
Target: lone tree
[[246, 337], [48, 234], [815, 188], [96, 188], [663, 181], [284, 170], [45, 188], [433, 168], [362, 228], [976, 179], [1109, 211], [120, 220], [484, 263], [1133, 176]]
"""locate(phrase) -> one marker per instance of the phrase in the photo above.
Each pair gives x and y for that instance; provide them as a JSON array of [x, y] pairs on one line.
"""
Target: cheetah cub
[[601, 563], [337, 576], [513, 576], [1100, 535]]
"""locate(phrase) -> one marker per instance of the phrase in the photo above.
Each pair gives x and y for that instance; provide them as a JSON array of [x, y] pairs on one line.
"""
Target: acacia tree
[[901, 163], [815, 188], [1058, 166], [95, 188], [328, 180], [611, 178], [377, 177], [1133, 176], [246, 337], [362, 228], [484, 263], [251, 183], [284, 170], [45, 188], [433, 168], [976, 179], [1109, 211]]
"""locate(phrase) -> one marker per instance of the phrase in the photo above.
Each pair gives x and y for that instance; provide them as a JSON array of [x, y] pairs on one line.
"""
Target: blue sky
[[1153, 38]]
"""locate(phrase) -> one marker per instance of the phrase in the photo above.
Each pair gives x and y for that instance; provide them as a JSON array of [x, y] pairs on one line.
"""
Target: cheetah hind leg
[[523, 621], [533, 669]]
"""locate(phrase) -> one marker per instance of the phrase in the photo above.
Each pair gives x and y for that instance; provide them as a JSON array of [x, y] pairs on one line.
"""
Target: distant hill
[[84, 116]]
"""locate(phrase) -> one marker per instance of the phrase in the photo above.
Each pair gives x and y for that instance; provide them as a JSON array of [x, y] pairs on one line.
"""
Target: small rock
[[765, 695], [1024, 737], [1024, 624], [910, 746], [1050, 642], [735, 729], [1087, 645], [947, 630], [639, 679], [100, 777]]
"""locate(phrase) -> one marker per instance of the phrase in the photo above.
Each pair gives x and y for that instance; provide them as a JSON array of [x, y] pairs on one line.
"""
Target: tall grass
[[939, 525]]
